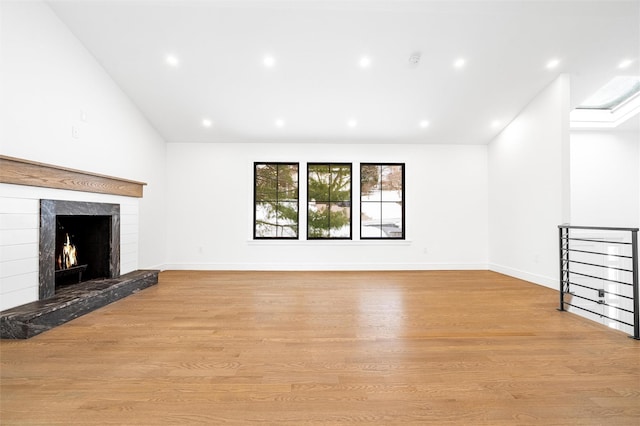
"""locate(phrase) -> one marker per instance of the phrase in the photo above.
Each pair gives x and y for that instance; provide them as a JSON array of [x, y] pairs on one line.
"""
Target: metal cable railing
[[599, 274]]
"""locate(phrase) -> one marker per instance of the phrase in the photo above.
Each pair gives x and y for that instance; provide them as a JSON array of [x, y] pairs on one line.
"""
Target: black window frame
[[403, 201], [255, 198], [350, 202]]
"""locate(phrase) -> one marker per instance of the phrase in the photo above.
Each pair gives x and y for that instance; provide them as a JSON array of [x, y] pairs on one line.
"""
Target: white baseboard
[[524, 275], [160, 267], [324, 266]]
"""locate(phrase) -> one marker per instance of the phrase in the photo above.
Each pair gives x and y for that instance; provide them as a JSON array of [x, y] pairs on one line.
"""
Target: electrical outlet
[[74, 132]]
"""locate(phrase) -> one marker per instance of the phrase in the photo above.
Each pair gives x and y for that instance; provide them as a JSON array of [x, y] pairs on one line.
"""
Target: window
[[611, 105], [381, 201], [329, 201], [613, 94], [276, 204]]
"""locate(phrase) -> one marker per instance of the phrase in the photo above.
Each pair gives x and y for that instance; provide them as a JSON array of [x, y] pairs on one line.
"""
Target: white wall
[[210, 202], [529, 188], [605, 178], [605, 191], [605, 186], [47, 80]]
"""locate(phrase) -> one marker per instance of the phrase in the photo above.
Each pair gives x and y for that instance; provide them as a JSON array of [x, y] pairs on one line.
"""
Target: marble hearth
[[23, 322]]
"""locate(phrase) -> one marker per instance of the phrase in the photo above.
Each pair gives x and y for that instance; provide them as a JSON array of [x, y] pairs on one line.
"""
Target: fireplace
[[93, 231], [83, 248], [79, 241]]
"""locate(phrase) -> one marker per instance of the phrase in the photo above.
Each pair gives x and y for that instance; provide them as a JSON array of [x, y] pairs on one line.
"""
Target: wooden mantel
[[24, 172]]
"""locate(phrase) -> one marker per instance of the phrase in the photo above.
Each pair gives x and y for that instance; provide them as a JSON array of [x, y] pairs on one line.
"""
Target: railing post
[[636, 293], [560, 245]]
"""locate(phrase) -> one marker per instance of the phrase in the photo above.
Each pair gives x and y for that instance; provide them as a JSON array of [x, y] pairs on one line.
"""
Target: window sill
[[332, 243]]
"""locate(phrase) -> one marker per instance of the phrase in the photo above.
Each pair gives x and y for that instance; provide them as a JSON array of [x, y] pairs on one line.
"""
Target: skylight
[[613, 104], [613, 94]]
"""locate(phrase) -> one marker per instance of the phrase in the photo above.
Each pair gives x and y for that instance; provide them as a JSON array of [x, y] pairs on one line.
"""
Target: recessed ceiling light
[[553, 64], [207, 123], [172, 60], [269, 61], [625, 64], [424, 124], [279, 122], [352, 123], [365, 62], [496, 123], [459, 63]]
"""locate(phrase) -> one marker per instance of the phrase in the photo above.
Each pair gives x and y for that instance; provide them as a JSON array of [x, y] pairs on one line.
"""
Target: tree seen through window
[[276, 200], [329, 201]]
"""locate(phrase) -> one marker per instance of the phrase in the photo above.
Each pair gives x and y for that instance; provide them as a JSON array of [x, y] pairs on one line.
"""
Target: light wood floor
[[295, 348]]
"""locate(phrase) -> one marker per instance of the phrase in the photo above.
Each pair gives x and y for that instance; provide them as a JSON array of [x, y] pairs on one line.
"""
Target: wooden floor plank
[[413, 347]]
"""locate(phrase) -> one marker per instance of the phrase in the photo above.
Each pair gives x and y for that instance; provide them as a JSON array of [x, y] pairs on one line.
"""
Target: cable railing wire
[[568, 276]]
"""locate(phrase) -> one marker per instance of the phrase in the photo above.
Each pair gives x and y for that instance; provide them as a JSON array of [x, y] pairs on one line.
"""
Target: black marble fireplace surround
[[86, 216], [58, 306]]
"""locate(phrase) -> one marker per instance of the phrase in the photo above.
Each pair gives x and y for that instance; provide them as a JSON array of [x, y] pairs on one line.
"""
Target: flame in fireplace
[[68, 258]]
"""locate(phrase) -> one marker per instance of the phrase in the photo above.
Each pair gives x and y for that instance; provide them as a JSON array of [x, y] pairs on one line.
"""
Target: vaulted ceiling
[[346, 71]]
